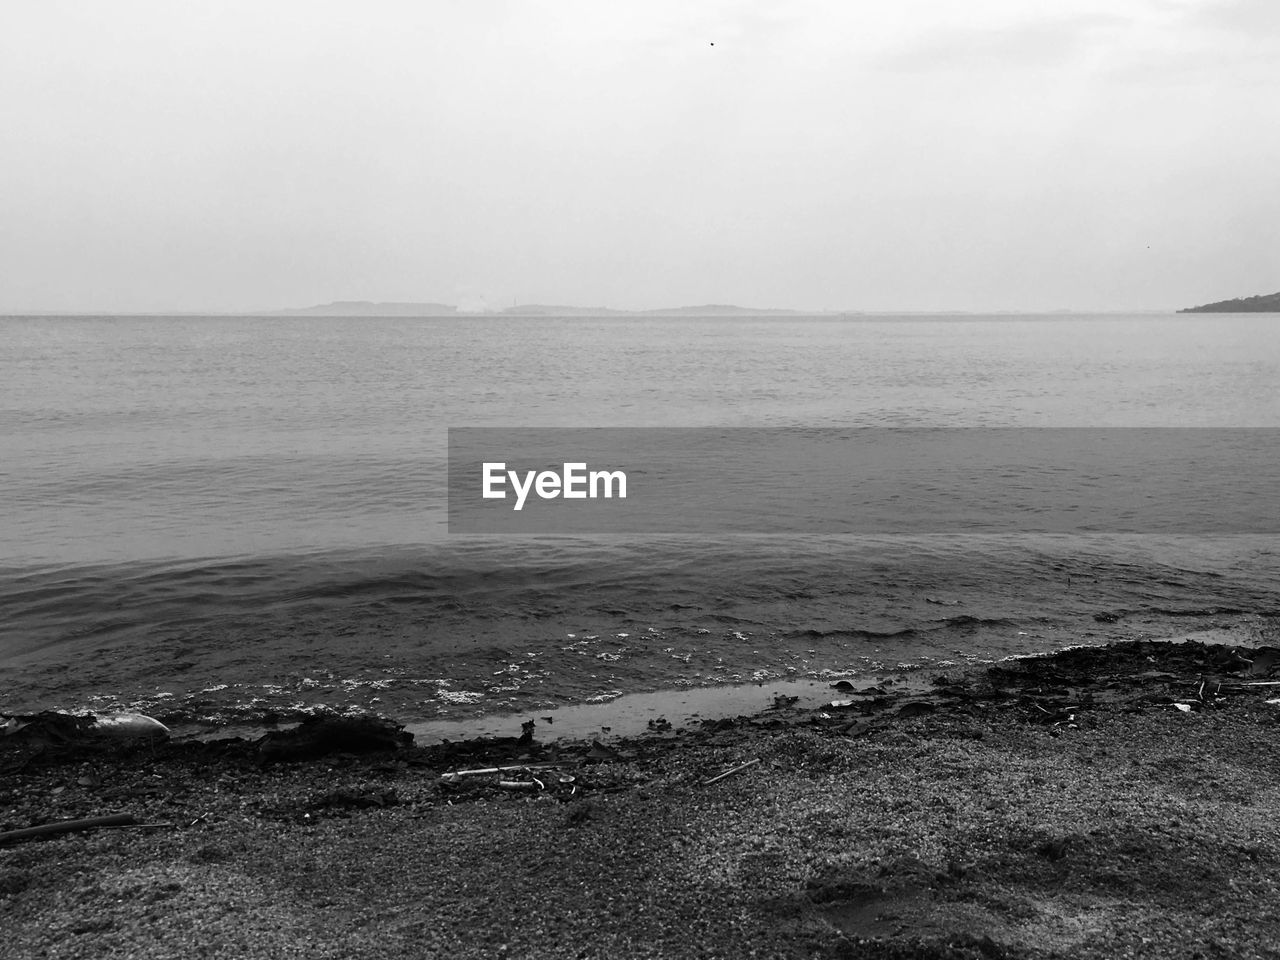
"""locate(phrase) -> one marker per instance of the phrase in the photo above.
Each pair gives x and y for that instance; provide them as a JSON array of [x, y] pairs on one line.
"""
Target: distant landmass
[[1263, 303], [371, 308]]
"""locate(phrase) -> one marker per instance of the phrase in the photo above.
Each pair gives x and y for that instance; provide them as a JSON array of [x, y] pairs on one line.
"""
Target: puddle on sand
[[632, 714]]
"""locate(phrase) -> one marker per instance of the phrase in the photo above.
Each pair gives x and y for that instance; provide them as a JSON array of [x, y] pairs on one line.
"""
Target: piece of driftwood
[[730, 773], [459, 774], [67, 826]]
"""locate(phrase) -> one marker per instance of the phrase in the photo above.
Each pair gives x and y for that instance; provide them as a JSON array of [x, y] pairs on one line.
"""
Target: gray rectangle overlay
[[864, 481]]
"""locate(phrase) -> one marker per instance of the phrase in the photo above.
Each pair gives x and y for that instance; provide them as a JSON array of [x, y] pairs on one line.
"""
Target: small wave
[[852, 634], [967, 622]]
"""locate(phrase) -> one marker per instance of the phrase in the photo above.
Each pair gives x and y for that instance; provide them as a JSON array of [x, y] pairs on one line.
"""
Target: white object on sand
[[129, 726]]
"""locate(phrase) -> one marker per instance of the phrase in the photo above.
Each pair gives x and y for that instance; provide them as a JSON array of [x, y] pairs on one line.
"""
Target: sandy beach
[[1106, 802]]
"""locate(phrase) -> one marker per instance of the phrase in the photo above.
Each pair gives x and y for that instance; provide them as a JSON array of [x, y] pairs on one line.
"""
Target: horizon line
[[620, 312]]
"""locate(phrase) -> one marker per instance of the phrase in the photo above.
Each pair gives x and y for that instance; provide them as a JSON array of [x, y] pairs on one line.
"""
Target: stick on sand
[[730, 773], [67, 826]]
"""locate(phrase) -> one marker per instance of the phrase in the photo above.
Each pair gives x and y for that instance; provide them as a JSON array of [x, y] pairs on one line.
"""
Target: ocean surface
[[244, 515]]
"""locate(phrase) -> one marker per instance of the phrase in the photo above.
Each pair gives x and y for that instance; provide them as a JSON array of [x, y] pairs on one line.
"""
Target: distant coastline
[[371, 308], [368, 308], [1263, 303]]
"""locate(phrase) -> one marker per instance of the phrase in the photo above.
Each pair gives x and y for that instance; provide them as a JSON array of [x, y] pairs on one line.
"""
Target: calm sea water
[[216, 483]]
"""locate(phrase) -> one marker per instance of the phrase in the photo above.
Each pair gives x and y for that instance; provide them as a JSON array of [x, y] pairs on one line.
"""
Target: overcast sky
[[818, 154]]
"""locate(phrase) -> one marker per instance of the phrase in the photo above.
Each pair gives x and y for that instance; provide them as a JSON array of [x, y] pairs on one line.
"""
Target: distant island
[[1264, 303], [372, 308]]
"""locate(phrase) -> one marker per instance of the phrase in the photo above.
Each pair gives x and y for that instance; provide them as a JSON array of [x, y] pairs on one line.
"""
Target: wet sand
[[1107, 802]]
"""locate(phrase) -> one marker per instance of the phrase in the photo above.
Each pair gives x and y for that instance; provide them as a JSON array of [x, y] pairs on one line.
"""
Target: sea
[[229, 519]]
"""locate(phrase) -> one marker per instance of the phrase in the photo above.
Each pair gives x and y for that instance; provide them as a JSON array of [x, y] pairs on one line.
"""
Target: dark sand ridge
[[1055, 806]]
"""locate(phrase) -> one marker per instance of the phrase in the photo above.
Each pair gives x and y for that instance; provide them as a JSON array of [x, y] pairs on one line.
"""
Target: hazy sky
[[901, 154]]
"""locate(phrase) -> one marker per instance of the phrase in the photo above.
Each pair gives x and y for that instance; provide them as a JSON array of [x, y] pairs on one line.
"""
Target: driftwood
[[459, 774], [67, 826], [730, 773]]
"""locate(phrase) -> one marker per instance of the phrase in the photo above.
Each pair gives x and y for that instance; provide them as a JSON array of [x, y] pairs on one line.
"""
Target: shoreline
[[618, 712], [1058, 805], [647, 674], [411, 637]]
